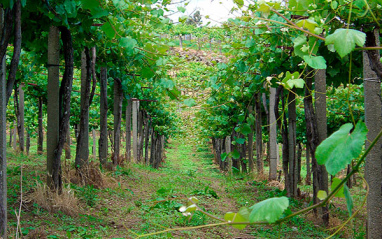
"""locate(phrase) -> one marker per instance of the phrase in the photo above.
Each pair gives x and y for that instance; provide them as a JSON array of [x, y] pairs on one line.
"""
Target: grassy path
[[126, 205]]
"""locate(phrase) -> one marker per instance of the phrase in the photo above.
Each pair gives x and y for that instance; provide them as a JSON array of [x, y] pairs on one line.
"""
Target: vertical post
[[40, 127], [94, 143], [14, 145], [292, 144], [273, 147], [53, 100], [373, 112], [3, 146], [135, 130]]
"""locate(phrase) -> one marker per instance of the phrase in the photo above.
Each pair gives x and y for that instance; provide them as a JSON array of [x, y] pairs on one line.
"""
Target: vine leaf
[[335, 183], [321, 195], [316, 62], [337, 151], [349, 200], [241, 216], [269, 210], [307, 24], [345, 40], [292, 80]]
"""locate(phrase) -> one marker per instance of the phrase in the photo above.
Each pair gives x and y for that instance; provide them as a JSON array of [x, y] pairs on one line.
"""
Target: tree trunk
[[28, 142], [3, 142], [102, 147], [272, 136], [292, 143], [67, 143], [311, 135], [22, 118], [94, 144], [82, 149], [140, 135], [251, 164], [147, 137], [308, 179], [14, 144], [16, 49], [135, 130], [10, 135], [180, 42], [373, 118], [64, 107], [299, 152], [40, 140], [128, 129], [259, 135], [118, 98], [152, 151], [53, 165], [320, 85], [19, 127], [264, 101], [228, 151]]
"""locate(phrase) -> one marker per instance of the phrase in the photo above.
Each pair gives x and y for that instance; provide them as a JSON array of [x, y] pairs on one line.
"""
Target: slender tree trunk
[[228, 151], [147, 137], [82, 149], [118, 98], [28, 142], [3, 142], [373, 118], [299, 153], [128, 129], [180, 42], [311, 135], [292, 143], [94, 144], [22, 118], [19, 127], [40, 140], [320, 84], [259, 135], [14, 144], [308, 179], [53, 165], [135, 130], [10, 135], [103, 117], [251, 164], [264, 101], [152, 151], [67, 143], [140, 135], [16, 49], [272, 136]]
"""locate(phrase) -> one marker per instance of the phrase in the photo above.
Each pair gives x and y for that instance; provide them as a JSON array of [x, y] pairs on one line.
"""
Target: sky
[[217, 10]]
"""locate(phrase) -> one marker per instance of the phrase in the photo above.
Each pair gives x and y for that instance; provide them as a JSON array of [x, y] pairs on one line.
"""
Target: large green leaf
[[108, 29], [128, 43], [269, 210], [341, 147], [316, 62], [89, 4], [345, 40], [189, 102]]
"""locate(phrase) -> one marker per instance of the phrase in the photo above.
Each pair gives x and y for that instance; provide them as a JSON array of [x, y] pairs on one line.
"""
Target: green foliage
[[337, 151], [269, 210], [345, 40]]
